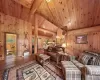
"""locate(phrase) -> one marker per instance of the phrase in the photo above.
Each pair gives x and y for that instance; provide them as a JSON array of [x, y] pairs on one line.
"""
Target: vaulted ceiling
[[71, 14], [66, 14]]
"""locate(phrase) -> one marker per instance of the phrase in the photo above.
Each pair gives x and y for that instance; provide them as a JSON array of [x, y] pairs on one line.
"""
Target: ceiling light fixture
[[48, 0]]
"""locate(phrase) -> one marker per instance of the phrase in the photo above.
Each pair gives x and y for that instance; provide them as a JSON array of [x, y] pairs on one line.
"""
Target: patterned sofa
[[91, 62]]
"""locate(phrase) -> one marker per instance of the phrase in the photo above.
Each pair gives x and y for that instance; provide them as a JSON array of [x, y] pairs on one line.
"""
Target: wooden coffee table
[[43, 59]]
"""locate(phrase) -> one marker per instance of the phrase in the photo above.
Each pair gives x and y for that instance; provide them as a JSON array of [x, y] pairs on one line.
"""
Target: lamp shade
[[64, 45]]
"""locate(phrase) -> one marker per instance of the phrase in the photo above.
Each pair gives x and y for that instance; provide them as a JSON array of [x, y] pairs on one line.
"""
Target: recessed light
[[48, 0]]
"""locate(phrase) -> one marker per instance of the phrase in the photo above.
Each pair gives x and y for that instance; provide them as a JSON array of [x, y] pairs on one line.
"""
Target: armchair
[[92, 72], [89, 64]]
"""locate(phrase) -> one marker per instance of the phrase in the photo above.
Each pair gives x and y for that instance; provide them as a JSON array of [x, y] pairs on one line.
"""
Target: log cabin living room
[[49, 39]]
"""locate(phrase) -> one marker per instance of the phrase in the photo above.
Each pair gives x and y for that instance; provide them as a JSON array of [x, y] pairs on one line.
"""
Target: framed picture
[[81, 39]]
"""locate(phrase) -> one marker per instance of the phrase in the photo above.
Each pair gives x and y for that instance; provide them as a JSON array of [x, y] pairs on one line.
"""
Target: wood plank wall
[[18, 26], [93, 38]]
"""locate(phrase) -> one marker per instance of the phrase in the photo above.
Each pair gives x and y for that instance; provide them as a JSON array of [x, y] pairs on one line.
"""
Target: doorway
[[11, 46]]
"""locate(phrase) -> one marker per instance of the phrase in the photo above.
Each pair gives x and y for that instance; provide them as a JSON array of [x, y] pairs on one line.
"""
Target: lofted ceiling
[[65, 14], [71, 14]]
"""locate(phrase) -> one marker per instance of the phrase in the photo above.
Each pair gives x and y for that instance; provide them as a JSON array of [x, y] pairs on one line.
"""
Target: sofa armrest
[[78, 64], [93, 70], [81, 67]]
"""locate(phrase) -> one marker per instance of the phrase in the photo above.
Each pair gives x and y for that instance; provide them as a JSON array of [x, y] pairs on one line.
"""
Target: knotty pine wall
[[19, 27], [93, 38]]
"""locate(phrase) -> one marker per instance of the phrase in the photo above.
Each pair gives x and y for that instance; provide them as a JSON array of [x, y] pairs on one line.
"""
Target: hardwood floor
[[8, 63]]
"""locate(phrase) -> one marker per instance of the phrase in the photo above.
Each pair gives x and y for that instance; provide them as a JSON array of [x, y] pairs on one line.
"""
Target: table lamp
[[64, 46]]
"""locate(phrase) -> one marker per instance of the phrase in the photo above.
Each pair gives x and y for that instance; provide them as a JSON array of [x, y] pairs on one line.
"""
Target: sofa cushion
[[68, 64], [97, 61], [93, 70], [90, 61], [86, 57]]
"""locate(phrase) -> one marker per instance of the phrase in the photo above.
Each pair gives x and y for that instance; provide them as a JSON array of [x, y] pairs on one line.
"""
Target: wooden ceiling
[[12, 8], [66, 14], [46, 25], [71, 14], [24, 9]]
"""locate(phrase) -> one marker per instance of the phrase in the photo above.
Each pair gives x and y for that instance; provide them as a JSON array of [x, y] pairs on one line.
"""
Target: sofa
[[53, 52], [90, 61]]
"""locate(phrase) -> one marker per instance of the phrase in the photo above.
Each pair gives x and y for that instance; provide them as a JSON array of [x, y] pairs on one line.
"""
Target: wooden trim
[[35, 6], [25, 3], [84, 28], [48, 31], [5, 43], [35, 34]]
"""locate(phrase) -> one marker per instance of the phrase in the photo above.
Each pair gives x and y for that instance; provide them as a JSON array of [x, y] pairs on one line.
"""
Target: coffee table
[[43, 59]]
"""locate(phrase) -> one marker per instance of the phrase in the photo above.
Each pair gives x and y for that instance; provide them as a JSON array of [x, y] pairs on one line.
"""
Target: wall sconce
[[64, 46]]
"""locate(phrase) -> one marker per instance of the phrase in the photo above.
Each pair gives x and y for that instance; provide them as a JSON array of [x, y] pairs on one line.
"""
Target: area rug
[[30, 71], [54, 69]]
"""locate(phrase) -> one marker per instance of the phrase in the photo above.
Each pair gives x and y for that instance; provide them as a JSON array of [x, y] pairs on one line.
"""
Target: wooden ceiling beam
[[25, 3], [45, 30], [35, 6]]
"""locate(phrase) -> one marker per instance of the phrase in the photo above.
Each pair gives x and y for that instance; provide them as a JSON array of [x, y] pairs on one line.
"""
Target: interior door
[[11, 44]]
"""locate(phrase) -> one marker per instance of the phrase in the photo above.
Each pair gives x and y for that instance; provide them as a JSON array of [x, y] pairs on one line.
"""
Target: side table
[[43, 59]]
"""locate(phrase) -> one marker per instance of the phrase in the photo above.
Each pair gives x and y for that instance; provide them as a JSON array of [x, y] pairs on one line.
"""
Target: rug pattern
[[31, 71]]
